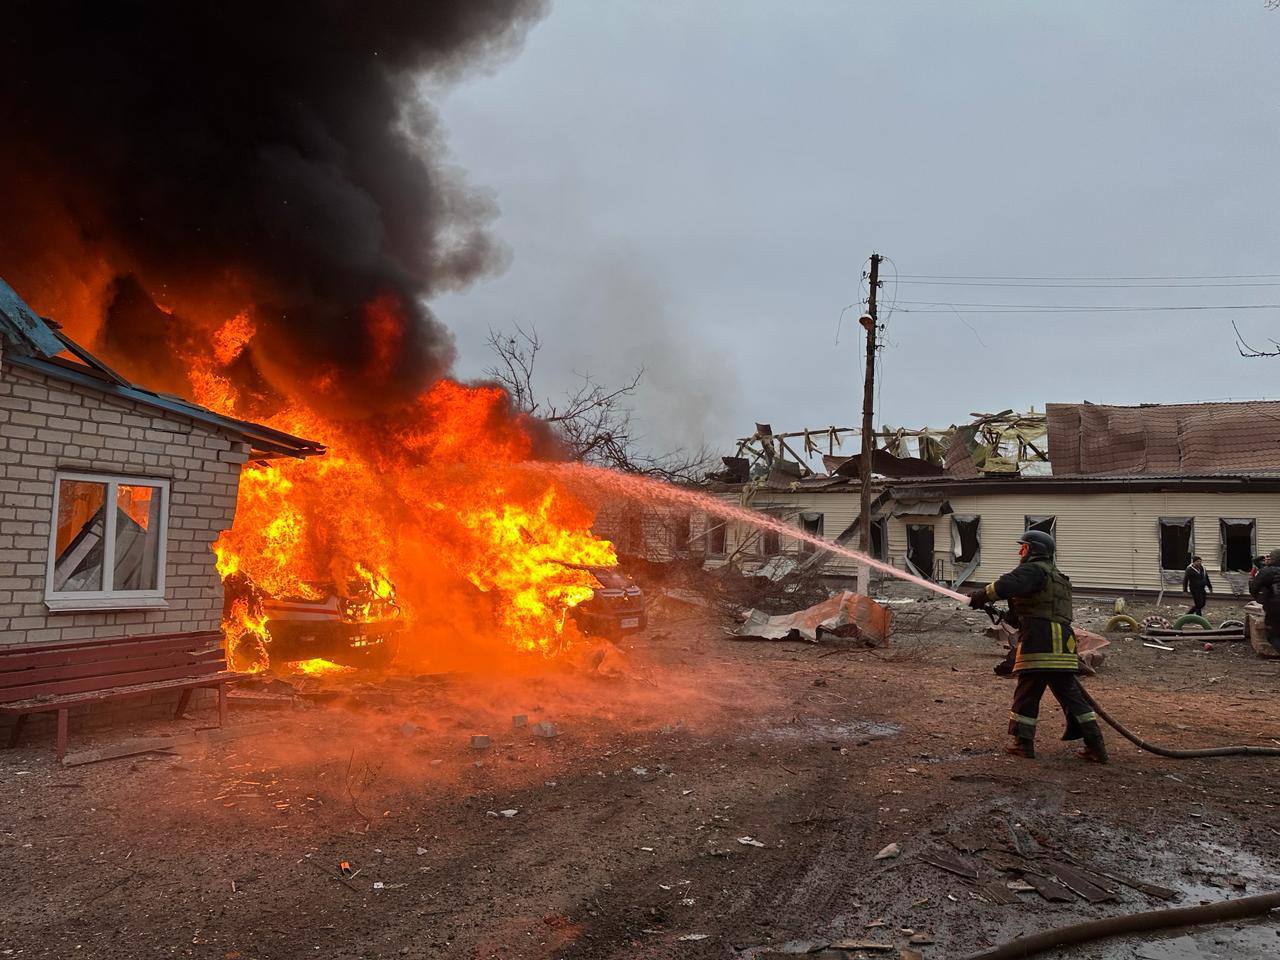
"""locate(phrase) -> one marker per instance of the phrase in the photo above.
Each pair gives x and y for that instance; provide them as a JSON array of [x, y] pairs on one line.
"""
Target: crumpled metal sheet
[[845, 614]]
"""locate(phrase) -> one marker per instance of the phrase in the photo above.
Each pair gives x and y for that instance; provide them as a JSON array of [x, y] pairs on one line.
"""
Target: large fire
[[425, 509]]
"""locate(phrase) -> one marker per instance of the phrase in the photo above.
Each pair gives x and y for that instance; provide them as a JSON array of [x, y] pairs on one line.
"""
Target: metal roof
[[264, 441]]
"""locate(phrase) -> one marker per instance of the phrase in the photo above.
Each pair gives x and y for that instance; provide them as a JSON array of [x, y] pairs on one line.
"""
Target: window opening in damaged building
[[107, 538], [716, 538], [810, 523], [1239, 543], [966, 545], [1177, 542], [920, 548], [1047, 525], [879, 538]]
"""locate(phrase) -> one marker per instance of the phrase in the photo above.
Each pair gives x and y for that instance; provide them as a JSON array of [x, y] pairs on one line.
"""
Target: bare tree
[[594, 420]]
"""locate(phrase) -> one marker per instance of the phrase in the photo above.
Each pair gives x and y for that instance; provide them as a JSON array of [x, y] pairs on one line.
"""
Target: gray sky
[[695, 188]]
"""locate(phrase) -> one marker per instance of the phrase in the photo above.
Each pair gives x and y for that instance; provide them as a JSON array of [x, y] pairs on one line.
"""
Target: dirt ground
[[705, 798]]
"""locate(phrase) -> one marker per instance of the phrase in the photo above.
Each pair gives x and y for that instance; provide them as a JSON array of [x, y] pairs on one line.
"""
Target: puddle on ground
[[809, 729], [1240, 941]]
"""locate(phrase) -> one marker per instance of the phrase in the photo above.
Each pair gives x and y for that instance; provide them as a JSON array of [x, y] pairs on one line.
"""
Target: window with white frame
[[107, 545]]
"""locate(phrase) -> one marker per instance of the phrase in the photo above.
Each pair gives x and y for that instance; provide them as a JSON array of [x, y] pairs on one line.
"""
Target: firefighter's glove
[[978, 598]]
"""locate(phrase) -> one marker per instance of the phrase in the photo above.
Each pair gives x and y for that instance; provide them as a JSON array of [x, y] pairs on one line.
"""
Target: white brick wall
[[48, 425]]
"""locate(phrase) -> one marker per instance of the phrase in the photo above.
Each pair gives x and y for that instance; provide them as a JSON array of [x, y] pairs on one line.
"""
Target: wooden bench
[[58, 676]]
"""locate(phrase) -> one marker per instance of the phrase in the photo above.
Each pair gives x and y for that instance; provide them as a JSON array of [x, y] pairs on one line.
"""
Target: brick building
[[111, 495]]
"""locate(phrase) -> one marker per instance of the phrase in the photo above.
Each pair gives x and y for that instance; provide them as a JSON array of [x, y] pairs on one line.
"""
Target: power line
[[1083, 286], [1054, 308], [947, 276]]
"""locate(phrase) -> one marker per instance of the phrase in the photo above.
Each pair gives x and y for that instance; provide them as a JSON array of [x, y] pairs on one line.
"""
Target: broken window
[[1043, 524], [810, 523], [1239, 542], [770, 543], [715, 536], [920, 548], [107, 540], [964, 538], [1177, 542], [681, 532], [879, 538], [635, 534]]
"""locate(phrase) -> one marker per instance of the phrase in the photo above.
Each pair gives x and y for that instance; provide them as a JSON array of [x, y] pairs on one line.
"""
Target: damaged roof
[[1153, 440], [34, 343]]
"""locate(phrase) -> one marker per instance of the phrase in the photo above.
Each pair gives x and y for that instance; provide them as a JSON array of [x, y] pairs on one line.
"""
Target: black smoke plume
[[183, 160]]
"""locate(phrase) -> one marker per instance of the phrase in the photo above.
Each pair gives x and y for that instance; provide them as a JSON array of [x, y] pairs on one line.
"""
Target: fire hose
[[1130, 923], [1170, 752]]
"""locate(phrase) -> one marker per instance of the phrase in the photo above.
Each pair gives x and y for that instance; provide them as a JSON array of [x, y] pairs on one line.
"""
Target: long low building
[[1149, 488]]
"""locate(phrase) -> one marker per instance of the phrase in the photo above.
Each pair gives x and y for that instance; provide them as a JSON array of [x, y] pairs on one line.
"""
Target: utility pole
[[868, 320]]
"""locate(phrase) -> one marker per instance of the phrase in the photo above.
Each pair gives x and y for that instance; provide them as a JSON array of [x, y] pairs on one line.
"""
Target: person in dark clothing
[[1039, 596], [1265, 588], [1195, 581]]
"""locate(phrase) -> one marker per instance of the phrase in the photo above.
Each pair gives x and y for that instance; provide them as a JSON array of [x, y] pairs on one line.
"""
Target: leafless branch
[[593, 419], [1245, 349]]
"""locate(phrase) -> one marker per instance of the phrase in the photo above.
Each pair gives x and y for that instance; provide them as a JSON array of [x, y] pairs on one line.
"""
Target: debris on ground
[[845, 615]]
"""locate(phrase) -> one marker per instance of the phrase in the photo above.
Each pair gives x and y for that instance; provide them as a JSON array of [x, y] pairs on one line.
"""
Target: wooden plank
[[950, 864], [98, 696], [21, 656], [998, 892], [1049, 889], [1150, 889], [56, 688], [101, 641], [1080, 884], [127, 748], [105, 669]]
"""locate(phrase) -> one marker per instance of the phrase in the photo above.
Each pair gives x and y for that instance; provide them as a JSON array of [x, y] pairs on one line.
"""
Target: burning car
[[616, 606], [359, 629]]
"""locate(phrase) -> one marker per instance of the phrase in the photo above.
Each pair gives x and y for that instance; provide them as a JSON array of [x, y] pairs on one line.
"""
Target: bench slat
[[97, 696], [105, 669], [66, 644], [54, 687], [19, 656], [18, 664]]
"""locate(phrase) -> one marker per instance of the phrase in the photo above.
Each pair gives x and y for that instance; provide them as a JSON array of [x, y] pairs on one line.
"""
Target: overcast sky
[[696, 187]]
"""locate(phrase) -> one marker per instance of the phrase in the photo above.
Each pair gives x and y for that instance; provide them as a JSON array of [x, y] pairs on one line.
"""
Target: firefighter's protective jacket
[[1039, 596]]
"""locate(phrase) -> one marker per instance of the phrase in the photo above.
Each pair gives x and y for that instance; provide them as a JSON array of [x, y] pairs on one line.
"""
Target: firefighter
[[1264, 586], [1039, 596]]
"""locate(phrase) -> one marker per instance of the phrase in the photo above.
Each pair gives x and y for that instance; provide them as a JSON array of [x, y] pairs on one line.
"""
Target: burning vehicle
[[615, 608], [360, 627]]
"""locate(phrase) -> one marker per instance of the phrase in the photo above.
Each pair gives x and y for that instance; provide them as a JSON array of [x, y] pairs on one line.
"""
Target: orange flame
[[424, 508]]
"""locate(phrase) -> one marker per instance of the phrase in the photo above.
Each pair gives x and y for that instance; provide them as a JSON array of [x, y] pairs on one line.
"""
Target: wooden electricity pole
[[868, 403]]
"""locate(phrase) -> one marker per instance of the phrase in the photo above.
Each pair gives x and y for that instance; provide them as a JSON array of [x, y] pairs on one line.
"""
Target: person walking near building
[[1195, 581], [1039, 596]]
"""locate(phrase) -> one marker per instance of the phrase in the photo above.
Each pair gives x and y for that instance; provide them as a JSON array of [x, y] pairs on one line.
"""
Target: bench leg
[[16, 732], [182, 704], [222, 704], [62, 734]]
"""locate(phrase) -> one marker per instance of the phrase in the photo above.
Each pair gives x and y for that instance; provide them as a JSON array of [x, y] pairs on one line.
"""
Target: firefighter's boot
[[1095, 750], [1021, 747]]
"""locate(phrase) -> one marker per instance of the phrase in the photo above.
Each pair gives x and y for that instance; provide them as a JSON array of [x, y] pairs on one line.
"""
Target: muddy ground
[[706, 798]]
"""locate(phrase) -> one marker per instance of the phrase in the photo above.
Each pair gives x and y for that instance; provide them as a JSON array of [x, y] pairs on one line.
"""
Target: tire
[[1123, 623], [1229, 624], [1155, 620], [1194, 619]]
